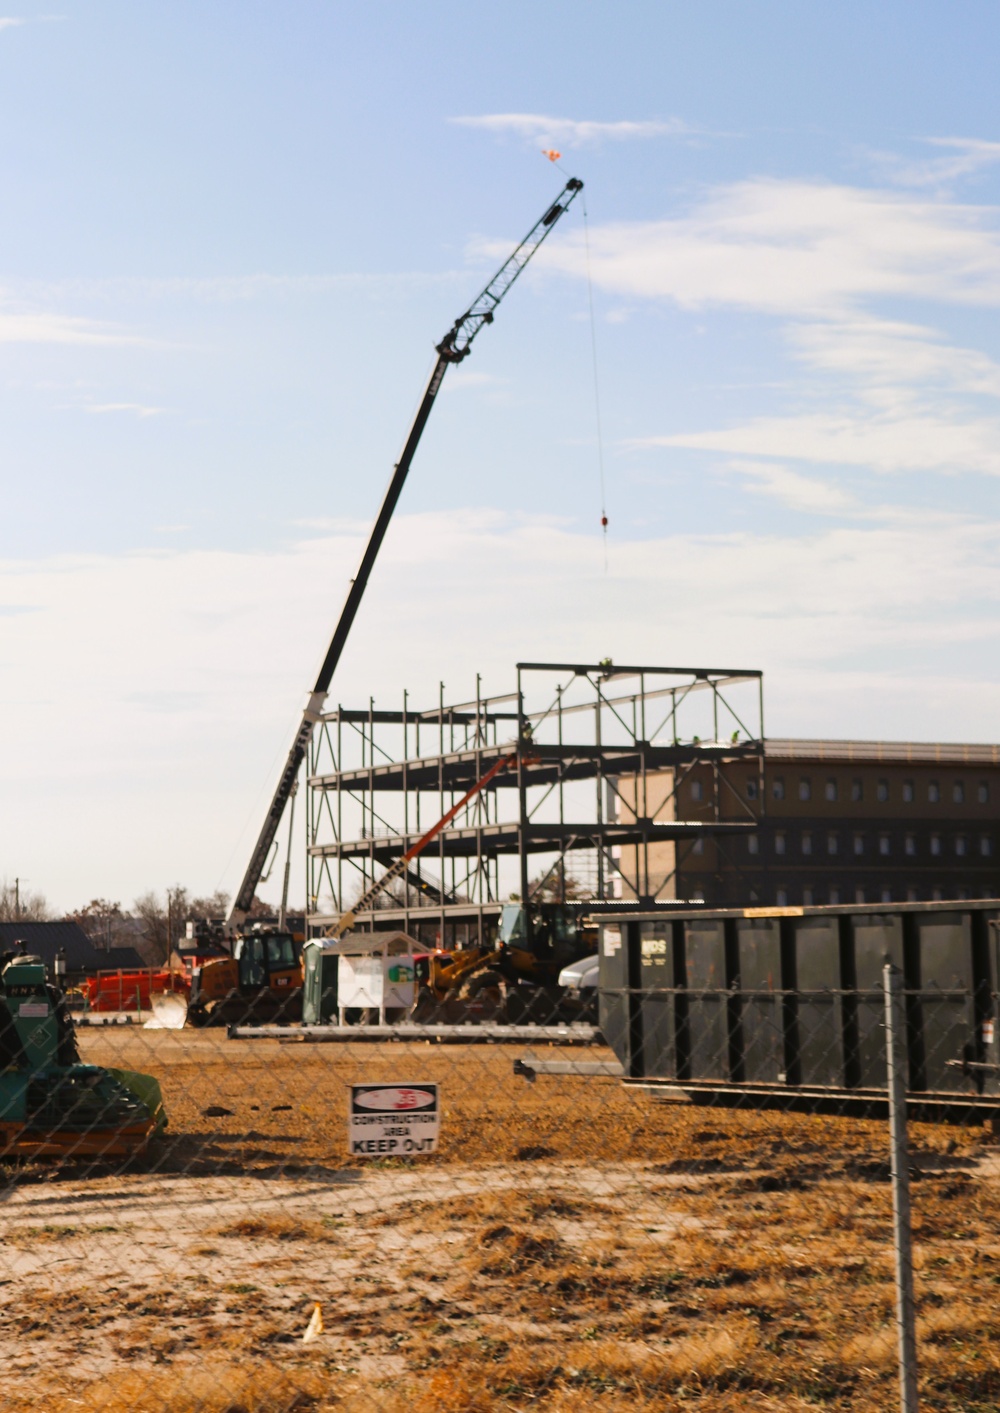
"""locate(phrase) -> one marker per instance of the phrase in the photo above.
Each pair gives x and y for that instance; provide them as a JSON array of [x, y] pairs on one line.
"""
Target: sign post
[[393, 1120], [895, 1049]]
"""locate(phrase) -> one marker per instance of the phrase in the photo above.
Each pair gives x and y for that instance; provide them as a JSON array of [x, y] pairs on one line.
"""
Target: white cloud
[[461, 378], [138, 408], [792, 489], [41, 327], [572, 132], [891, 441], [965, 156], [181, 673], [237, 288], [876, 354], [795, 249], [905, 401], [822, 258], [11, 22]]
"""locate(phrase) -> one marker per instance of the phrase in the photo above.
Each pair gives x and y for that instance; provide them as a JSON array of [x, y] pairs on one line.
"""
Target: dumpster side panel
[[946, 998], [705, 975], [612, 1000], [877, 939], [820, 1024], [657, 973], [760, 981]]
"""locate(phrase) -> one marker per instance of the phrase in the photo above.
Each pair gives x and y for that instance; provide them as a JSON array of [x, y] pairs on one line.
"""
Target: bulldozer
[[52, 1105], [516, 980], [259, 984]]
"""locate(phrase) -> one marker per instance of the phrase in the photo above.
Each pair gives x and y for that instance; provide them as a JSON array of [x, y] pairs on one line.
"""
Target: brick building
[[838, 822]]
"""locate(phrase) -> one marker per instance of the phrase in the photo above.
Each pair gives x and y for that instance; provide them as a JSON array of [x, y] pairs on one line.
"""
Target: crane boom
[[456, 345]]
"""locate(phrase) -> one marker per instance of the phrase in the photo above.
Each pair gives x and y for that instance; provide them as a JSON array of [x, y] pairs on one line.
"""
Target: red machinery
[[134, 990]]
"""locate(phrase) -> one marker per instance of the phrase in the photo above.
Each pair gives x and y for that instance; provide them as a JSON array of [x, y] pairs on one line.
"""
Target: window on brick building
[[831, 789], [907, 792], [781, 897], [807, 842], [805, 789], [778, 788], [751, 789], [883, 843], [697, 791], [834, 896], [985, 845], [882, 791], [857, 790], [983, 793], [935, 844], [779, 843], [933, 792], [910, 844], [859, 843], [753, 844], [958, 792], [859, 895], [831, 843], [807, 897], [886, 895], [960, 845]]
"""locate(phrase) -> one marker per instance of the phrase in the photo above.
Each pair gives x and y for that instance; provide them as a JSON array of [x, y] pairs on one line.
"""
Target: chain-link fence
[[690, 1206]]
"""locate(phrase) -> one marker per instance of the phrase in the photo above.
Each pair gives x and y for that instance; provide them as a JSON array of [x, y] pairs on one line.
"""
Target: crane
[[453, 348]]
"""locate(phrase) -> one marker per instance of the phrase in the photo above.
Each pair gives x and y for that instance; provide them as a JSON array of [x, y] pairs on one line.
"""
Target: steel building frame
[[377, 779]]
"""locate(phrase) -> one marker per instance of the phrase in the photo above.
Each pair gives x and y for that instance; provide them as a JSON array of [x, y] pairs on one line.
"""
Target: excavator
[[262, 979]]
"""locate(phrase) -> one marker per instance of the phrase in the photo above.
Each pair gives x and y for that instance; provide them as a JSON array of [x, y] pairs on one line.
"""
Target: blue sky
[[231, 235]]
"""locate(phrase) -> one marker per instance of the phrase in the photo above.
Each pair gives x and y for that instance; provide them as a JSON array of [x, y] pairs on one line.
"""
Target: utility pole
[[17, 899]]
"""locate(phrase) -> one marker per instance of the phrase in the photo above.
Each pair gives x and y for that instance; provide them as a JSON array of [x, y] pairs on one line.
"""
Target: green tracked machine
[[51, 1105]]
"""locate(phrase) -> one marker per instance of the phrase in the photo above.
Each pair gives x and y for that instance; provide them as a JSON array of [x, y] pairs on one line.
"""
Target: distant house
[[121, 959], [45, 939]]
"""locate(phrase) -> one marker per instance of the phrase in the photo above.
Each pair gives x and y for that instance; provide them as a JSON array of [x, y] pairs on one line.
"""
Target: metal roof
[[44, 939], [121, 958], [914, 752]]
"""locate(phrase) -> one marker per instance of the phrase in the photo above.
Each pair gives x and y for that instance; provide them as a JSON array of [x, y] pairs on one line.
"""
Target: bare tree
[[558, 885], [19, 904]]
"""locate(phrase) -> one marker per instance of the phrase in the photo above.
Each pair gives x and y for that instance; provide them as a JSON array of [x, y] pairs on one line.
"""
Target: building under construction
[[591, 759]]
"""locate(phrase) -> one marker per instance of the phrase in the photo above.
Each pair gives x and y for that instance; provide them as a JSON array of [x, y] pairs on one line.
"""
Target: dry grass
[[287, 1108], [663, 1258], [210, 1387], [278, 1228]]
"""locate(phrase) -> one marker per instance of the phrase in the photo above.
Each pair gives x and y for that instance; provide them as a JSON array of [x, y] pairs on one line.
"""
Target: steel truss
[[590, 742]]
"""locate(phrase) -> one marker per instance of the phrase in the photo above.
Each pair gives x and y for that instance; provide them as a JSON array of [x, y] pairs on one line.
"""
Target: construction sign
[[393, 1120]]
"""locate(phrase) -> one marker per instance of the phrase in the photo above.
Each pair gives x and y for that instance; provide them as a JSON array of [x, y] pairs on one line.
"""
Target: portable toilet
[[364, 971], [319, 989]]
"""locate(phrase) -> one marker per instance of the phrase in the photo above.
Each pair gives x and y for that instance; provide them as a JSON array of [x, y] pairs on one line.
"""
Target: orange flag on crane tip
[[551, 154]]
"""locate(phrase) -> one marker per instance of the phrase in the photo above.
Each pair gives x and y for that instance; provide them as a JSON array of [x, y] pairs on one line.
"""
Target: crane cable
[[597, 388]]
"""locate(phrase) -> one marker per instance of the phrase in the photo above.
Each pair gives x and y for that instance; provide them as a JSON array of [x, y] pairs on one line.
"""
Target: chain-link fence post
[[895, 1049]]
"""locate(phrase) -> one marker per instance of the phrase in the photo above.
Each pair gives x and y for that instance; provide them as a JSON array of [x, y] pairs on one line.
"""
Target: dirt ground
[[574, 1245]]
